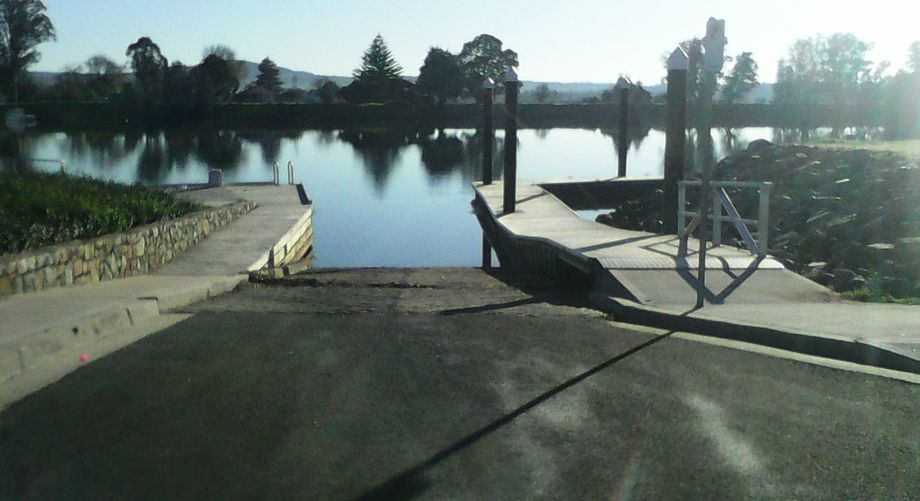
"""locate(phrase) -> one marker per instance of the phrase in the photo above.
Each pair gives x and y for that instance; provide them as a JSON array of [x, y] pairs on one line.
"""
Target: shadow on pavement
[[411, 482]]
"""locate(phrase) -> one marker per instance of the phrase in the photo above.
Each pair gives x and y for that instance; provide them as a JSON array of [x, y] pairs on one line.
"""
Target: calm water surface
[[382, 198]]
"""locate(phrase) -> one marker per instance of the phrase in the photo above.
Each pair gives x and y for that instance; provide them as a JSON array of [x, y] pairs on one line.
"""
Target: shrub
[[38, 209]]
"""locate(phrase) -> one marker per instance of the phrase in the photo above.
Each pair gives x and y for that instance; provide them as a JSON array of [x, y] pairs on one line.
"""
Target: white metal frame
[[720, 201]]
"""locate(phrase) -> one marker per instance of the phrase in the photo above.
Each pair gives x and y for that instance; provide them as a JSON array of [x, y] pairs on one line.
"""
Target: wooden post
[[486, 253], [622, 88], [488, 132], [511, 105], [676, 140]]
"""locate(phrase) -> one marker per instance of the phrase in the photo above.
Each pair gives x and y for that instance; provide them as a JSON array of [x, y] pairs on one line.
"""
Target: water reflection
[[158, 153], [635, 135], [442, 153], [385, 197], [270, 141], [378, 149]]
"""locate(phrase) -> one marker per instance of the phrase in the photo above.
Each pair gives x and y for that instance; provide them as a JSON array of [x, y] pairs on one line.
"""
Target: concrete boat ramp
[[641, 278]]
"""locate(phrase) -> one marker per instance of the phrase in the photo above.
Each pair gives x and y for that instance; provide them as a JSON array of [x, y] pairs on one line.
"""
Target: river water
[[381, 197]]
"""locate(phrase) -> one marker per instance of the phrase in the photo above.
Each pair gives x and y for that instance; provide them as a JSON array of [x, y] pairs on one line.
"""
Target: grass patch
[[866, 295], [909, 148], [40, 209]]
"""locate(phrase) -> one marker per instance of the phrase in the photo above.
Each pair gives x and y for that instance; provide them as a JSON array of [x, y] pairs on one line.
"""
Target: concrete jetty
[[641, 277]]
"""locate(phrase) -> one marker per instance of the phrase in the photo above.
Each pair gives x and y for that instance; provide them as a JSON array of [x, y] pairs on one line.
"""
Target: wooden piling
[[511, 125], [622, 87], [676, 141], [488, 130]]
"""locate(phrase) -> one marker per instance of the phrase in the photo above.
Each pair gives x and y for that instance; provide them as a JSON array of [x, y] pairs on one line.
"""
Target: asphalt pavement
[[450, 384]]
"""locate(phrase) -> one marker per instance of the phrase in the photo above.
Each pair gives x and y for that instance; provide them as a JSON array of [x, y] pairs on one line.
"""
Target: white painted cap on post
[[488, 84], [622, 83], [511, 75], [679, 60]]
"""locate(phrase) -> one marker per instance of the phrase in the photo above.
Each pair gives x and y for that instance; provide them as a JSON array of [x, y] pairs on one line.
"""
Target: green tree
[[440, 76], [742, 78], [71, 85], [484, 57], [845, 67], [222, 51], [542, 93], [214, 81], [797, 75], [378, 64], [327, 90], [227, 54], [149, 67], [378, 79], [105, 76], [828, 70], [913, 57], [23, 26], [177, 87], [269, 76]]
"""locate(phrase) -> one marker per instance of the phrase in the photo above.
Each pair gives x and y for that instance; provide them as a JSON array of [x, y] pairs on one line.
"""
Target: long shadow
[[617, 243], [521, 201], [531, 197], [490, 307], [411, 483]]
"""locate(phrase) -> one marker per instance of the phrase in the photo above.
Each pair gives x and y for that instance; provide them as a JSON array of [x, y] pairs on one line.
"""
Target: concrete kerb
[[23, 354], [35, 349], [821, 345], [177, 298], [55, 366]]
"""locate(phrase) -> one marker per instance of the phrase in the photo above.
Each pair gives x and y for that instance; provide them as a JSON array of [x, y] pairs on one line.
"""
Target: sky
[[563, 41]]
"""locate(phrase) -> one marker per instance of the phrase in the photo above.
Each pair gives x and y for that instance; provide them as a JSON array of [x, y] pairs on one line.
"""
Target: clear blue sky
[[558, 40]]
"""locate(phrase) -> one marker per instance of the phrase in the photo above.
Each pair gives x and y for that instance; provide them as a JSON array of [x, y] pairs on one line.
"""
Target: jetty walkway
[[641, 277]]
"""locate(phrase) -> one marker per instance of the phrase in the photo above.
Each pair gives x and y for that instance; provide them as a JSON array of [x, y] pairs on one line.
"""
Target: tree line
[[824, 72], [835, 72]]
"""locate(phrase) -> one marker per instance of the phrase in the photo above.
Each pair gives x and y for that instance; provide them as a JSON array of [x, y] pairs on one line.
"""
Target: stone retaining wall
[[134, 252]]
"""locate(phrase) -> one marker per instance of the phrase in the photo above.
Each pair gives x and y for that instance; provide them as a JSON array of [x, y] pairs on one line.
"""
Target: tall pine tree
[[377, 64], [268, 78]]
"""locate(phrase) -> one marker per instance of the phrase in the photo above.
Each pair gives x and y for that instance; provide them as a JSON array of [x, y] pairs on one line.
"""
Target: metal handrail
[[276, 174], [720, 201], [290, 172]]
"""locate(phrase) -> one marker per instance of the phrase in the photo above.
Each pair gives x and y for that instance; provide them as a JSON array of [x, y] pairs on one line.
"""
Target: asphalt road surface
[[450, 384]]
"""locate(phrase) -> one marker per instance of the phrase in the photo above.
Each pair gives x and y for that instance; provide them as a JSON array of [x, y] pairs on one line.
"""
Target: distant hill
[[567, 91], [291, 78]]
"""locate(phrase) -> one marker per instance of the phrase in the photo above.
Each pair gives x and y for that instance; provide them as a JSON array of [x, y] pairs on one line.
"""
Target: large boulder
[[846, 280]]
